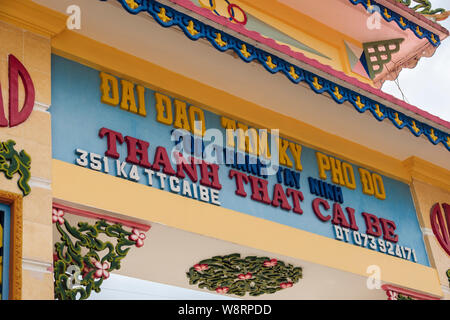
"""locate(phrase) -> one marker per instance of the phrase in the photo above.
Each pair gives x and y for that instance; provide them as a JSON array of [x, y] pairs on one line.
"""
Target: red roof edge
[[312, 62]]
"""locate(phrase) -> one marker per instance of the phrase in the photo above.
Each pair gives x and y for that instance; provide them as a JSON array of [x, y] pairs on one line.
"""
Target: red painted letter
[[388, 230], [297, 196], [315, 204], [137, 147], [280, 196], [113, 137], [241, 178], [210, 175], [372, 224], [16, 70], [259, 190]]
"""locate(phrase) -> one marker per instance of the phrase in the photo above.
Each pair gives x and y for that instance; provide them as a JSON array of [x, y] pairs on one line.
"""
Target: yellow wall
[[426, 195], [33, 136]]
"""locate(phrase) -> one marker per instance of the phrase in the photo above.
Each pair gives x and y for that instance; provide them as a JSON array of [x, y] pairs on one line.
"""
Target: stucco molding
[[33, 17], [425, 171]]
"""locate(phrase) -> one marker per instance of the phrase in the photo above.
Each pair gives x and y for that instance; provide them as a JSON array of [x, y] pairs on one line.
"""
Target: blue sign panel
[[108, 124], [4, 250]]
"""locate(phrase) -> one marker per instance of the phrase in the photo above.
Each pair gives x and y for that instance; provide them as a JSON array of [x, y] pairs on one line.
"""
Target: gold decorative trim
[[428, 172], [33, 17], [15, 271]]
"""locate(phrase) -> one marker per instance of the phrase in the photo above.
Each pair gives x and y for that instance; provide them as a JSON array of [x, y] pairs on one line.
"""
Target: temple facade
[[220, 149]]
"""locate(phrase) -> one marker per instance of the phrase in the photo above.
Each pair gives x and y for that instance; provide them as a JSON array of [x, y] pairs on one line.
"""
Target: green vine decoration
[[404, 297], [448, 276], [12, 162], [232, 274], [423, 7], [78, 267]]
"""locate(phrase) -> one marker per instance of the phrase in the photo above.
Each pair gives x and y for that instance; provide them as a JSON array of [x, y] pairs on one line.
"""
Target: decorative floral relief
[[82, 261], [12, 162], [232, 274]]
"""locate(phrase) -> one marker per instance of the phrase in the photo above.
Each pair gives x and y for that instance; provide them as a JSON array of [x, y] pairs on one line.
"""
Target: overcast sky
[[427, 86]]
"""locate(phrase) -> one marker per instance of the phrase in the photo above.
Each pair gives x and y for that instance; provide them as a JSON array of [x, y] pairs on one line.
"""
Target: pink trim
[[416, 295], [312, 62], [88, 214], [416, 15]]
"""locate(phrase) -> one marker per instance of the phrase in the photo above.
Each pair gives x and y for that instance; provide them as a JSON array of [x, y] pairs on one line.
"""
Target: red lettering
[[297, 196], [112, 137], [388, 230], [259, 190], [241, 178], [339, 216], [183, 166], [16, 70], [316, 203], [372, 224], [279, 195], [137, 147], [351, 217], [162, 158], [210, 175]]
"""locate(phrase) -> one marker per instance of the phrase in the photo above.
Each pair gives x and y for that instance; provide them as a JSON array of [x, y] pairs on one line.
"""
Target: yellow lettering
[[284, 159], [242, 137], [128, 100], [366, 181], [296, 151], [336, 171], [141, 95], [349, 176], [181, 117], [229, 126], [263, 143], [163, 109], [380, 192], [324, 165], [197, 115], [110, 89]]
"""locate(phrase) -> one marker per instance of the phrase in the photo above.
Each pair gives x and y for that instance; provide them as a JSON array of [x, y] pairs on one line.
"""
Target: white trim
[[40, 183], [37, 266], [39, 106], [427, 232], [446, 289]]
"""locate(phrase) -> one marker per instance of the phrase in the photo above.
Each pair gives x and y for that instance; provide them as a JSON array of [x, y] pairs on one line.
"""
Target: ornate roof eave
[[410, 61], [199, 23], [410, 21], [407, 19]]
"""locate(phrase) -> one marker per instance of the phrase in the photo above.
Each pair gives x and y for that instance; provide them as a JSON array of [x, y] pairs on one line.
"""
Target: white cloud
[[427, 86]]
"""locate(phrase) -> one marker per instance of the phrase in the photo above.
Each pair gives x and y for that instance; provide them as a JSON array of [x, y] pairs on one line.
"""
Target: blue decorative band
[[195, 29], [402, 22]]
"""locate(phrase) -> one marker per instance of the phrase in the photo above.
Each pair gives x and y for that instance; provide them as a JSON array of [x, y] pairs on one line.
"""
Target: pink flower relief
[[138, 237], [57, 216], [102, 269], [222, 290], [245, 276], [201, 267], [285, 285], [271, 263]]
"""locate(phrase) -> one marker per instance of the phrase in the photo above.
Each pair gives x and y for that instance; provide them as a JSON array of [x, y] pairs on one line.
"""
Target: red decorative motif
[[16, 116], [245, 276], [285, 285], [222, 290], [392, 293], [57, 216], [271, 263], [201, 267], [440, 224], [138, 237], [102, 269]]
